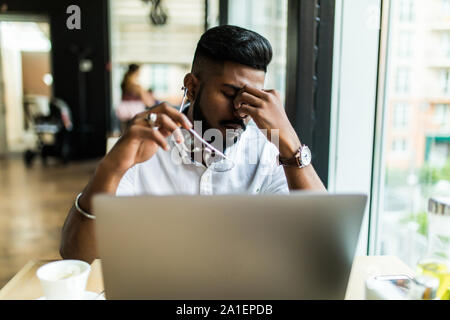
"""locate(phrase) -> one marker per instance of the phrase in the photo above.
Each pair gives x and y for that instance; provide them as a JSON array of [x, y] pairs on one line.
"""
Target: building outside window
[[406, 10], [445, 41], [446, 8], [401, 110], [405, 44], [441, 114], [445, 81], [400, 146], [403, 79], [414, 164]]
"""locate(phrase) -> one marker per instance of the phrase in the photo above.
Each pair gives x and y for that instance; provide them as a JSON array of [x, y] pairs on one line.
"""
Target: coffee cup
[[64, 279]]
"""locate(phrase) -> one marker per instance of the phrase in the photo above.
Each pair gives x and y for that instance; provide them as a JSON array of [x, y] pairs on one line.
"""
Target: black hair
[[132, 67], [232, 43]]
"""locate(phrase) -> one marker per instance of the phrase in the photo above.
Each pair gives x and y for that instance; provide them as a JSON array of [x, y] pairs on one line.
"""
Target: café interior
[[365, 84]]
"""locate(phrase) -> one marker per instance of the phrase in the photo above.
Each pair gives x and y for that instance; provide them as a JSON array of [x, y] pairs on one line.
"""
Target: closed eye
[[229, 96]]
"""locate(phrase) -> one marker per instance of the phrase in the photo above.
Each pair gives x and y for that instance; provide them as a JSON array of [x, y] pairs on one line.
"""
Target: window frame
[[379, 163], [223, 12], [357, 47], [309, 75]]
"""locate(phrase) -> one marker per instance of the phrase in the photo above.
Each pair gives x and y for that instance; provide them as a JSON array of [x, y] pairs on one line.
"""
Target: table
[[26, 286]]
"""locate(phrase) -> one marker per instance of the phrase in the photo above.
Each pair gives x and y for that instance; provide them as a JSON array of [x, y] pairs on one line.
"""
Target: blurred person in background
[[134, 99]]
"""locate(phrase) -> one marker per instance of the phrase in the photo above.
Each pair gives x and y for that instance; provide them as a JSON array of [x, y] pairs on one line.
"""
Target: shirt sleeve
[[275, 181], [126, 184]]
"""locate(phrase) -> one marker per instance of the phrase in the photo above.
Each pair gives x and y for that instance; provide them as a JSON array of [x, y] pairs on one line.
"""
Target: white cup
[[64, 279]]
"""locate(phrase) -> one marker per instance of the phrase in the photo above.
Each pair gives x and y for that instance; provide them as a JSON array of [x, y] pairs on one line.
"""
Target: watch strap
[[294, 161]]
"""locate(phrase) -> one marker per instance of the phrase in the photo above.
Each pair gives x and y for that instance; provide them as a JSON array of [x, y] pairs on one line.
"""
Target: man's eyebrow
[[232, 86]]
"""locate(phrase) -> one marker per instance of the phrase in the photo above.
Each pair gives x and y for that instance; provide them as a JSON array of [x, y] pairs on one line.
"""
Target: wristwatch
[[301, 158]]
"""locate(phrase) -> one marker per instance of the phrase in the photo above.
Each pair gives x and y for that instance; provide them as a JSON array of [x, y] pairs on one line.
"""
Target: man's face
[[214, 102]]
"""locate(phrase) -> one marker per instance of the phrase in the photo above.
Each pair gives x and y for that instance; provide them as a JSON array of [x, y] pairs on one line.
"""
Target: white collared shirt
[[255, 171]]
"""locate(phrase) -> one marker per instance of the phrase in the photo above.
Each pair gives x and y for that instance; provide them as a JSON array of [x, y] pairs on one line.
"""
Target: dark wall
[[87, 93]]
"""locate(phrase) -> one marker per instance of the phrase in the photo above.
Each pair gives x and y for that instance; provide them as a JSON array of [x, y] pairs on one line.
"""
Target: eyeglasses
[[214, 159]]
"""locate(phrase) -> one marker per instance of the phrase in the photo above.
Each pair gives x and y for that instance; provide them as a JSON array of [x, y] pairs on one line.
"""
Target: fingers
[[164, 108], [168, 122], [262, 94], [249, 101], [168, 126], [178, 117], [155, 135], [247, 98], [246, 109], [164, 125]]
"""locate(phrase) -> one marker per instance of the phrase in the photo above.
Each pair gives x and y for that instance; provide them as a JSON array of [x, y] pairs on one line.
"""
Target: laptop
[[228, 247]]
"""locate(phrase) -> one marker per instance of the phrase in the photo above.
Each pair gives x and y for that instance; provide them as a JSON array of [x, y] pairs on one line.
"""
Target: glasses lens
[[217, 162], [222, 166], [189, 142]]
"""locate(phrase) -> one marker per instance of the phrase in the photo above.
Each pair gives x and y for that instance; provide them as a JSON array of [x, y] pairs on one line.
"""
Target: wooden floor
[[33, 206]]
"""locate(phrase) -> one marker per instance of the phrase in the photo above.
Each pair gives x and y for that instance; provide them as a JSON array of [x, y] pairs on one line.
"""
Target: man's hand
[[138, 144], [266, 109], [140, 141]]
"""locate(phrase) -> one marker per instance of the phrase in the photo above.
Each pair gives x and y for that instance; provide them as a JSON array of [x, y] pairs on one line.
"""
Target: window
[[405, 44], [406, 10], [402, 80], [401, 116], [438, 152], [445, 81], [445, 40], [446, 8], [441, 114], [400, 146], [414, 165], [159, 74]]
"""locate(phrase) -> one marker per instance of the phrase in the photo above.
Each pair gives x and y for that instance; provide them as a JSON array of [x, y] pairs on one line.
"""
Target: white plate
[[88, 295]]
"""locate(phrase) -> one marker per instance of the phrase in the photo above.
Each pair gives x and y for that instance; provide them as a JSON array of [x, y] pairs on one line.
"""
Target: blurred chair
[[52, 126]]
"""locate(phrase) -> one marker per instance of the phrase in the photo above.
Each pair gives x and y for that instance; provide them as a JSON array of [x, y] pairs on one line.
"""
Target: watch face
[[305, 156]]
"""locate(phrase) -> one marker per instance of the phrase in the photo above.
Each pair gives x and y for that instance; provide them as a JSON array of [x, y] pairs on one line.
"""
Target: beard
[[198, 115]]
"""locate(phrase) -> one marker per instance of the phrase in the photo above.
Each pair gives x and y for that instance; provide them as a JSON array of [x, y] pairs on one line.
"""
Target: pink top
[[126, 110]]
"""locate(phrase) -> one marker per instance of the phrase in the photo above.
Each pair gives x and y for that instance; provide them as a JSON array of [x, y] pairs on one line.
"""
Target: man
[[225, 91]]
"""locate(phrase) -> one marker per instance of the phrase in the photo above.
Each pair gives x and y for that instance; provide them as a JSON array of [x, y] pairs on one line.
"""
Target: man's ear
[[191, 83]]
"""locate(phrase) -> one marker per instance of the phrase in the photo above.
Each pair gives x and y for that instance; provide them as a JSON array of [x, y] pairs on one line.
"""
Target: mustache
[[239, 122]]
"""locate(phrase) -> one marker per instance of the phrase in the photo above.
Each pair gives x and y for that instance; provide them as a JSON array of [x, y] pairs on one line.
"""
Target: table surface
[[26, 286]]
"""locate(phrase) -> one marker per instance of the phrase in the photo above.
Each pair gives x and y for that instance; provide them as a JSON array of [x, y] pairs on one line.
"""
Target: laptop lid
[[296, 246]]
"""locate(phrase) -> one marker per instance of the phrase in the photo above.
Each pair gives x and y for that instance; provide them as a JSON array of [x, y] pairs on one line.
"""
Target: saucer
[[88, 295]]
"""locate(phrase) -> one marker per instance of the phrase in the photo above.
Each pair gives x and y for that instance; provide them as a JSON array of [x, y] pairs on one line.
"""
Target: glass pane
[[268, 18], [416, 137]]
